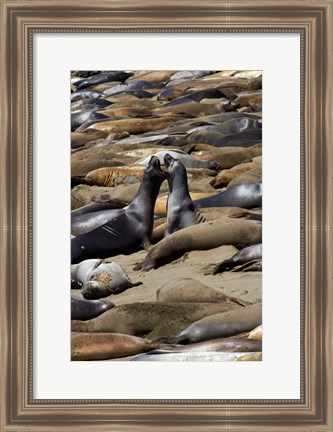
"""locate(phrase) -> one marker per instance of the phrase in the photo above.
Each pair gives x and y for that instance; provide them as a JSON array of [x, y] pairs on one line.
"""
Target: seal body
[[128, 232], [207, 235]]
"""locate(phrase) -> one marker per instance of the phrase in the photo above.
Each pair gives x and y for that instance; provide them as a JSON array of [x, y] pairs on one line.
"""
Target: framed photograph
[[46, 46]]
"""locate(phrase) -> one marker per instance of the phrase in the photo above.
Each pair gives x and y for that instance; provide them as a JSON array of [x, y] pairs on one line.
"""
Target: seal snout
[[168, 161], [155, 163]]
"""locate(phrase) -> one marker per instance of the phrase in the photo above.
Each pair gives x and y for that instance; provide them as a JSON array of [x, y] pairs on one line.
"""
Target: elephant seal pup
[[181, 212], [104, 346], [245, 196], [154, 320], [221, 325], [245, 255], [128, 232], [87, 309], [101, 279], [187, 290], [207, 235]]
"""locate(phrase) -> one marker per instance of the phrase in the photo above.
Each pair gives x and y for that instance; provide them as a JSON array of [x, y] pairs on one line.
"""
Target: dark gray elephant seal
[[181, 212], [222, 325], [245, 255], [130, 231], [207, 235], [245, 196], [84, 310]]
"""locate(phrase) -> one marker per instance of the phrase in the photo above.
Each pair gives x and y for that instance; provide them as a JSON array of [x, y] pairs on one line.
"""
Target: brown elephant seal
[[228, 157], [252, 176], [134, 126], [154, 320], [104, 346], [225, 176], [221, 325], [113, 176], [207, 235], [251, 357], [250, 253], [181, 212], [88, 309], [128, 232], [187, 290], [101, 279], [256, 334]]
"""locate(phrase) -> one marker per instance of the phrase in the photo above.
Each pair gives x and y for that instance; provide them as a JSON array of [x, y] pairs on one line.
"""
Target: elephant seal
[[215, 345], [85, 94], [190, 356], [256, 334], [225, 176], [104, 346], [245, 196], [100, 279], [251, 357], [187, 290], [79, 118], [154, 320], [245, 255], [102, 78], [252, 176], [245, 138], [88, 309], [181, 212], [131, 230], [207, 235], [221, 325]]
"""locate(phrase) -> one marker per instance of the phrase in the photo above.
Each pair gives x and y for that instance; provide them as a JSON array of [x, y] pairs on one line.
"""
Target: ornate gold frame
[[313, 21]]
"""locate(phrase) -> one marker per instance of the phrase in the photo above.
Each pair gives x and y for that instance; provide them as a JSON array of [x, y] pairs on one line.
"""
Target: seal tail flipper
[[198, 217], [223, 266]]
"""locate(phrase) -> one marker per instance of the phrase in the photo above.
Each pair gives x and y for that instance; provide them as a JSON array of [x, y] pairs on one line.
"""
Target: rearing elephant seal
[[131, 230], [207, 235], [181, 212]]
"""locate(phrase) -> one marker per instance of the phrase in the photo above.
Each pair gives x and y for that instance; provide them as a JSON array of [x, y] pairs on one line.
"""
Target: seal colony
[[166, 189]]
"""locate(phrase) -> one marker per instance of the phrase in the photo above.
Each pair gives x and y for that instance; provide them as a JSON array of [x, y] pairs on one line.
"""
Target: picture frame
[[20, 21]]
